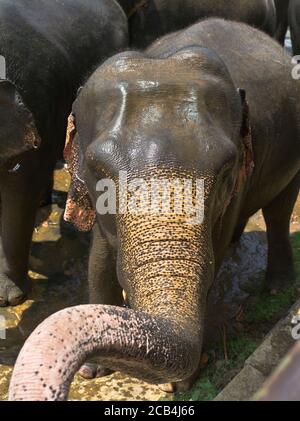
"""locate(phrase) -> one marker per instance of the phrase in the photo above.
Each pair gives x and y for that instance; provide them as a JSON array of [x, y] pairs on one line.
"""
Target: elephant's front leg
[[19, 202], [280, 270], [103, 289]]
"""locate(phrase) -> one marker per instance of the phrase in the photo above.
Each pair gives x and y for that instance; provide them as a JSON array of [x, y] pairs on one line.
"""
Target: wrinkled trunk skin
[[164, 271], [165, 262], [165, 266]]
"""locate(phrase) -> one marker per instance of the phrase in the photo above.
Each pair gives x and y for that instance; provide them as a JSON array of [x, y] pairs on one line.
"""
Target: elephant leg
[[19, 202], [295, 42], [282, 20], [103, 289], [281, 31], [238, 232], [183, 386], [280, 269], [46, 198], [294, 19]]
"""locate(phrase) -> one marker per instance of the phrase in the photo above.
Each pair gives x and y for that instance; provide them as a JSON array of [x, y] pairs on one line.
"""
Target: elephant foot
[[181, 387], [277, 282], [91, 371], [12, 294]]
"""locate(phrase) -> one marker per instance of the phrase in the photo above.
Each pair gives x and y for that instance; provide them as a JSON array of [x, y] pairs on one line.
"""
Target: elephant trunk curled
[[133, 342]]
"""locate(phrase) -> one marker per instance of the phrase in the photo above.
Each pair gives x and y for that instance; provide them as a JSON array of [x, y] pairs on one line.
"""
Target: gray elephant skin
[[190, 107], [150, 19], [294, 22], [282, 24], [49, 47]]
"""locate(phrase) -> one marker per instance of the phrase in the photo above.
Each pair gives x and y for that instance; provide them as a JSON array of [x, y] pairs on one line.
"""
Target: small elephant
[[201, 107], [282, 7], [47, 49], [150, 19], [294, 21]]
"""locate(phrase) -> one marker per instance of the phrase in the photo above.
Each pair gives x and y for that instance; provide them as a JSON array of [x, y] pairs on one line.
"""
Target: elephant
[[150, 19], [47, 50], [294, 21], [190, 109], [282, 7]]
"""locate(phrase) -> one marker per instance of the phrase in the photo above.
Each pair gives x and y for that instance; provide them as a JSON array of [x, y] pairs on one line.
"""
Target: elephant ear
[[246, 134], [247, 159], [79, 209]]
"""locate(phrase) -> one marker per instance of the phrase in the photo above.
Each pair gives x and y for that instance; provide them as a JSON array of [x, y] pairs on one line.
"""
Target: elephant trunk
[[136, 343]]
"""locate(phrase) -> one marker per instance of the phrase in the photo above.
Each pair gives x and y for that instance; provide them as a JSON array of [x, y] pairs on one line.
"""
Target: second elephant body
[[150, 19]]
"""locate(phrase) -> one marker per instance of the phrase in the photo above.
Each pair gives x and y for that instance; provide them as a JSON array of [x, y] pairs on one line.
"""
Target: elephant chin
[[153, 349]]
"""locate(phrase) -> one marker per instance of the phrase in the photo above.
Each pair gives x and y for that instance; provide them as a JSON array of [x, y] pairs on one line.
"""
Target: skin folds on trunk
[[165, 256], [164, 270], [133, 342]]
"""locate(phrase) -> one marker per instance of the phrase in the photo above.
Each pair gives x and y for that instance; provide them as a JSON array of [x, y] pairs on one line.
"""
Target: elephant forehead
[[183, 67], [151, 100]]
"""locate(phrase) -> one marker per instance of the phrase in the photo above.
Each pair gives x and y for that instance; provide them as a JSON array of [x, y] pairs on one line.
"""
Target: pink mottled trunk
[[154, 349]]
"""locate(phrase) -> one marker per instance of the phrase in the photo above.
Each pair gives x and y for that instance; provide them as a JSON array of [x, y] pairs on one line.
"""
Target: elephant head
[[18, 131], [180, 119]]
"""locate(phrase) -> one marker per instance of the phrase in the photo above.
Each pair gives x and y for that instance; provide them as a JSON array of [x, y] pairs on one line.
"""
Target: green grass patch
[[265, 307], [219, 371]]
